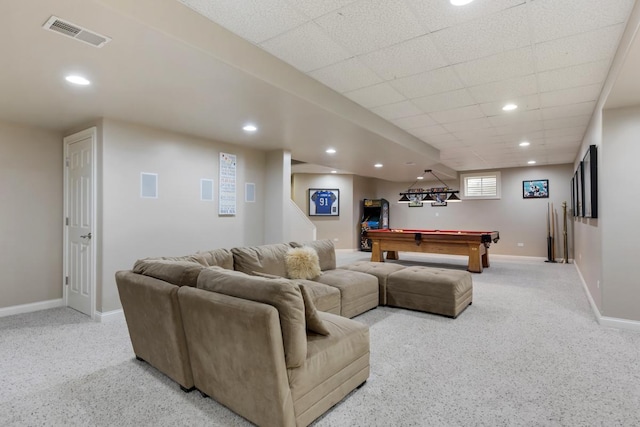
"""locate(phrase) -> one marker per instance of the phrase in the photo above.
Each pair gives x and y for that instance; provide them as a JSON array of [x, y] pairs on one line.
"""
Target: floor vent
[[74, 31]]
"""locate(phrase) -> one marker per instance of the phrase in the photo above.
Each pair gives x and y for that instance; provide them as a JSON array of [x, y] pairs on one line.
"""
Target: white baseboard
[[28, 308], [109, 316], [609, 322]]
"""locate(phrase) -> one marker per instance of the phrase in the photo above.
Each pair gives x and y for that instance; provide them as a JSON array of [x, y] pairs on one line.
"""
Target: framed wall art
[[590, 183], [579, 191], [535, 189], [324, 202]]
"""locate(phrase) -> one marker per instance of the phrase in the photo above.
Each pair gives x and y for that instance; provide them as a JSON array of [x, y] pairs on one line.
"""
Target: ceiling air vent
[[76, 32]]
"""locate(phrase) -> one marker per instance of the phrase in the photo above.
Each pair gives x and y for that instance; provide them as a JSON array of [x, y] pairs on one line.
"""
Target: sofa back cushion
[[283, 294], [264, 259], [326, 252], [218, 257], [179, 273]]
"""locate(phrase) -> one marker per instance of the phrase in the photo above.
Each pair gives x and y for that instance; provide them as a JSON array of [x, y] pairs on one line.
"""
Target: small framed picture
[[535, 189], [324, 202]]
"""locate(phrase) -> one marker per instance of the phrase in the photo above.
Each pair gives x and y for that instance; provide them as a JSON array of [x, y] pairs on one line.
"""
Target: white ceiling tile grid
[[443, 73]]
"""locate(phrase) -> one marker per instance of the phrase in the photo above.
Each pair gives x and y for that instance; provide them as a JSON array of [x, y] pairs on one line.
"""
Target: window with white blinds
[[480, 186]]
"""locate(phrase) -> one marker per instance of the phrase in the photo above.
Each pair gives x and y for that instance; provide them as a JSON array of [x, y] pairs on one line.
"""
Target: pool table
[[475, 244]]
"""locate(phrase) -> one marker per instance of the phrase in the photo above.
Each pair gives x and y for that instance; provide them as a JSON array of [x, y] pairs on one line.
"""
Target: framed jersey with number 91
[[324, 202]]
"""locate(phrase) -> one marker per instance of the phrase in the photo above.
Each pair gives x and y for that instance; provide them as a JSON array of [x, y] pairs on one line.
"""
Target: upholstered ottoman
[[434, 290], [381, 270]]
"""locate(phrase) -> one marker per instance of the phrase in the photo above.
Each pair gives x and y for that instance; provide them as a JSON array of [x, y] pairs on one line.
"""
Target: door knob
[[86, 236]]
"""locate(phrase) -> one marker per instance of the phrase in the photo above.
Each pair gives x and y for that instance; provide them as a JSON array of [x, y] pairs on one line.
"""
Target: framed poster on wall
[[590, 183], [324, 202], [580, 189]]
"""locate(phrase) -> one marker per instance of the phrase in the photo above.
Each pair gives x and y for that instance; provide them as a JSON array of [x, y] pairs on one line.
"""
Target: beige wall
[[31, 172], [620, 206], [588, 231], [340, 229], [177, 222], [518, 220]]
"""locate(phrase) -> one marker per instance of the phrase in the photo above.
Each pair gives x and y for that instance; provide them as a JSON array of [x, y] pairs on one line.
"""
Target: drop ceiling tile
[[578, 75], [405, 59], [306, 47], [457, 114], [444, 101], [577, 131], [502, 31], [476, 134], [572, 110], [429, 83], [525, 103], [468, 125], [254, 20], [553, 19], [570, 96], [446, 139], [506, 90], [427, 131], [316, 8], [375, 96], [397, 110], [521, 131], [579, 49], [505, 65], [365, 26], [563, 141], [567, 122], [346, 76], [437, 15], [413, 122], [515, 117]]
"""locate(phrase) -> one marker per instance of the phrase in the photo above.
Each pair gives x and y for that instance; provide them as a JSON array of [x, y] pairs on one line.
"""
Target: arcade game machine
[[375, 216]]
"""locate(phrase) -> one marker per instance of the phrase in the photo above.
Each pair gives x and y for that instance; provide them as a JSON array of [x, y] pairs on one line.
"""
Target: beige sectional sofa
[[278, 351], [213, 321]]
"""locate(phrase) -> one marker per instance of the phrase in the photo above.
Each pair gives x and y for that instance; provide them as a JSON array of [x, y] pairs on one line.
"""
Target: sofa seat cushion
[[179, 273], [331, 362], [265, 259], [358, 291], [218, 257], [381, 270], [325, 298], [283, 294], [326, 252]]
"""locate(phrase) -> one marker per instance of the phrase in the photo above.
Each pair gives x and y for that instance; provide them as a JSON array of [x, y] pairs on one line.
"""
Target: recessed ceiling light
[[509, 107], [532, 162], [378, 165], [524, 144], [77, 80], [460, 2], [334, 171], [420, 177], [249, 128], [331, 151]]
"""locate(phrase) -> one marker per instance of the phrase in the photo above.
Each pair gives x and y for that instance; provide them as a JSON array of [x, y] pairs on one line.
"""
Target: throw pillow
[[314, 322], [302, 263]]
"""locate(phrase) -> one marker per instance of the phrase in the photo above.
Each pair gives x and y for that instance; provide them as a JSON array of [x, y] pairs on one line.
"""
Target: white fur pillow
[[302, 263]]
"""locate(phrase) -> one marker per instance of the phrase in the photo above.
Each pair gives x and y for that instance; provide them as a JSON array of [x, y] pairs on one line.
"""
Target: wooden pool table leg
[[475, 259], [392, 255], [376, 251], [485, 257]]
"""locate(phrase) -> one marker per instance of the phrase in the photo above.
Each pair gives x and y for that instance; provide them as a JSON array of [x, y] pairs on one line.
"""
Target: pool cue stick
[[565, 242], [548, 236], [553, 235]]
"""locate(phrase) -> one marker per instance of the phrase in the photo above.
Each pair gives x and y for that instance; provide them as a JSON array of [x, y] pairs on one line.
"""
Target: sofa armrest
[[155, 325], [237, 355]]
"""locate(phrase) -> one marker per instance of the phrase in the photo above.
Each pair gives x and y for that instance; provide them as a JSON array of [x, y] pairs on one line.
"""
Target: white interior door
[[79, 222]]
